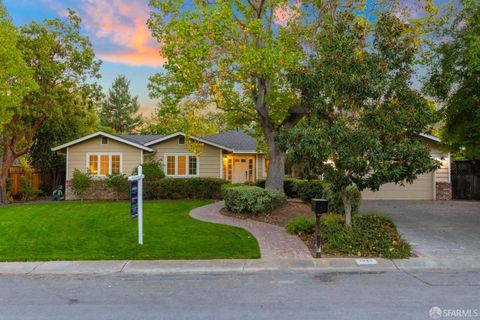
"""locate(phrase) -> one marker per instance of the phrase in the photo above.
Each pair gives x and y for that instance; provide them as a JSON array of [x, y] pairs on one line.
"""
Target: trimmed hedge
[[251, 199], [184, 188], [369, 235]]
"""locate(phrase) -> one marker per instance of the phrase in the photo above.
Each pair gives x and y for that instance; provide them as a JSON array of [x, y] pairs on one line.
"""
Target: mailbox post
[[319, 207]]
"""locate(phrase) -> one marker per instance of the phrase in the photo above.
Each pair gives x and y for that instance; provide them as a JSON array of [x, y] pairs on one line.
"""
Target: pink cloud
[[284, 13], [123, 24]]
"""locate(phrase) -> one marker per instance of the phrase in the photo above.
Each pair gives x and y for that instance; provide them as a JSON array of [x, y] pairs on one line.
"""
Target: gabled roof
[[238, 140], [140, 138], [103, 134], [176, 134]]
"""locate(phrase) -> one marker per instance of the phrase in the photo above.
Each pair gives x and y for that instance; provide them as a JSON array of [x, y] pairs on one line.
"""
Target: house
[[231, 155]]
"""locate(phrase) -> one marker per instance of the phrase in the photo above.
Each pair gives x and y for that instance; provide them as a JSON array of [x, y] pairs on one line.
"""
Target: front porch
[[240, 168]]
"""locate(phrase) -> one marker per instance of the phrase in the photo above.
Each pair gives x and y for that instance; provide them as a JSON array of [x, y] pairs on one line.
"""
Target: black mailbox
[[319, 206]]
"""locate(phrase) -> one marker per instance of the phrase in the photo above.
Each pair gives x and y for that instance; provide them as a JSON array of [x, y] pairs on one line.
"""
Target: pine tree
[[119, 109]]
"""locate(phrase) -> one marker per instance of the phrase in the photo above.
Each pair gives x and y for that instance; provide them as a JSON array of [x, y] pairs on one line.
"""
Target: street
[[263, 295]]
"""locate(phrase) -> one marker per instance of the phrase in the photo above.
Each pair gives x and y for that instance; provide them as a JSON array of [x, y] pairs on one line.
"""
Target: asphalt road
[[280, 295]]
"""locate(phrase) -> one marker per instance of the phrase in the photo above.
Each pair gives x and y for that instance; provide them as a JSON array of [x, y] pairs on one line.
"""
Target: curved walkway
[[274, 241]]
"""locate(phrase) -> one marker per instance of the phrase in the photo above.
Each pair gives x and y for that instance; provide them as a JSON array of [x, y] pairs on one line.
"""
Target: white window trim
[[109, 154], [176, 175]]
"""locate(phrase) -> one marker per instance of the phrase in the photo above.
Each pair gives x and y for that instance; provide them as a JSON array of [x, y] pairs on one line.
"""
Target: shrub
[[335, 203], [250, 199], [27, 191], [152, 171], [184, 188], [369, 235], [300, 225], [117, 183], [81, 183], [301, 189]]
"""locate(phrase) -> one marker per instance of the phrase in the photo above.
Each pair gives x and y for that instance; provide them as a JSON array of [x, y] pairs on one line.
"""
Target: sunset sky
[[118, 31]]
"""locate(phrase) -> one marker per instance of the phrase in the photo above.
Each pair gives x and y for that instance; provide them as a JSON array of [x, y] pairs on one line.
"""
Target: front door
[[240, 170]]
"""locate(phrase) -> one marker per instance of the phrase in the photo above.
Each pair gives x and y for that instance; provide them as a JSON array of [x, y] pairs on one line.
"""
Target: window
[[250, 169], [171, 165], [102, 164], [115, 164], [104, 140], [181, 140], [192, 165], [93, 164], [181, 165]]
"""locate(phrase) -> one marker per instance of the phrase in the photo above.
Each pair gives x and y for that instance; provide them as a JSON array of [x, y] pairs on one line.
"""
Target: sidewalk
[[236, 266]]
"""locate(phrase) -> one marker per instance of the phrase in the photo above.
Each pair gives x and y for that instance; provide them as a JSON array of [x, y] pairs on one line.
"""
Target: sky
[[118, 31]]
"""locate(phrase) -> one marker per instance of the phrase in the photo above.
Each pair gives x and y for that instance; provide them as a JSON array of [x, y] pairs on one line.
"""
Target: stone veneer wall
[[444, 191], [98, 192]]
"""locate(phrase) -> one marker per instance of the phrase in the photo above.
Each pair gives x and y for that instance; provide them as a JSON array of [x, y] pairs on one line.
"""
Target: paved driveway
[[434, 228]]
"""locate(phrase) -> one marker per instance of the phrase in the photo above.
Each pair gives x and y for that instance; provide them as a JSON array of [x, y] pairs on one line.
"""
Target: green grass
[[104, 231]]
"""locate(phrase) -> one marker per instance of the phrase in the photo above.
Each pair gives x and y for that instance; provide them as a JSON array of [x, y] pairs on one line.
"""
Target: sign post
[[319, 207], [136, 201]]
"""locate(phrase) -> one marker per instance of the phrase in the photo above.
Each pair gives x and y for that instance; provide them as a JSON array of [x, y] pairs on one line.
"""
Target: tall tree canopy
[[454, 79], [236, 54], [120, 109], [15, 77], [63, 64], [365, 119]]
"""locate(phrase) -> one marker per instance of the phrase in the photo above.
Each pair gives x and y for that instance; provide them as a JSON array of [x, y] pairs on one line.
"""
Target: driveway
[[434, 228]]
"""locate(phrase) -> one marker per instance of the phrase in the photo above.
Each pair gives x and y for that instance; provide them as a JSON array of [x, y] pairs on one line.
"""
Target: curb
[[165, 267]]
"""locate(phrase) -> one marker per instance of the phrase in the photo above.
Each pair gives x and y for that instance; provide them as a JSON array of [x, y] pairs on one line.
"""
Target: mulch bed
[[280, 216]]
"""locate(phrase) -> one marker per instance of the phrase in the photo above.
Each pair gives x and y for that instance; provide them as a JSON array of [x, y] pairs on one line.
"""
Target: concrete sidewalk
[[235, 266]]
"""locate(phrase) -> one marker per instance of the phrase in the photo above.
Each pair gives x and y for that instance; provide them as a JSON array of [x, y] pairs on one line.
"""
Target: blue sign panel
[[134, 199]]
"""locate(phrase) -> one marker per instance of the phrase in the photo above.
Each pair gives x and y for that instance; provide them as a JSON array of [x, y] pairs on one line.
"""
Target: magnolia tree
[[236, 55], [364, 119]]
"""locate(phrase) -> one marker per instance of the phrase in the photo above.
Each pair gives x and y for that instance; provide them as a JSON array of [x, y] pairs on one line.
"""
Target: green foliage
[[364, 121], [81, 183], [249, 199], [184, 188], [152, 171], [301, 226], [370, 235], [299, 189], [335, 202], [16, 78], [27, 191], [454, 78], [118, 183], [119, 109]]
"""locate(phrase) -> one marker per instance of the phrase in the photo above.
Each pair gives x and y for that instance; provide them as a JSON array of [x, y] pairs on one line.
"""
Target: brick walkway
[[274, 241]]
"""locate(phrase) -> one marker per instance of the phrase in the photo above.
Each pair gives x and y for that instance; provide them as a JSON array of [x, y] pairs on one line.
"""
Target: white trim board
[[99, 154], [102, 134]]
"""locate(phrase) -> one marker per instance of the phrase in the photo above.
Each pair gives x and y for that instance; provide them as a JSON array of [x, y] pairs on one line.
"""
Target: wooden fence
[[16, 173]]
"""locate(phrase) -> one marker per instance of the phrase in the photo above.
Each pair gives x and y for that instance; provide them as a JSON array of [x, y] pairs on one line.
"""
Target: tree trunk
[[276, 169], [7, 162], [347, 206]]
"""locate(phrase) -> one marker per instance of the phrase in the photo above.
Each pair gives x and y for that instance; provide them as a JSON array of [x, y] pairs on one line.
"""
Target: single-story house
[[230, 155]]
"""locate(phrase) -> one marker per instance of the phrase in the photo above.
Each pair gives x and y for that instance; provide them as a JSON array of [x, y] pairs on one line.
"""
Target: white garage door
[[420, 189]]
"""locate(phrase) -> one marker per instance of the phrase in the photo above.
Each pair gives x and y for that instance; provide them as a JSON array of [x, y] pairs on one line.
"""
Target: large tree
[[15, 77], [236, 54], [120, 109], [63, 64], [454, 78], [365, 120]]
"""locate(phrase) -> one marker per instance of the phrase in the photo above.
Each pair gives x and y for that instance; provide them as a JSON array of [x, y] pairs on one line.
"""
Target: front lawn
[[104, 231]]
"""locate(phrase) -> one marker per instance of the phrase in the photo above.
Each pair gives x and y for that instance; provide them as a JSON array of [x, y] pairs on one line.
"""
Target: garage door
[[420, 189]]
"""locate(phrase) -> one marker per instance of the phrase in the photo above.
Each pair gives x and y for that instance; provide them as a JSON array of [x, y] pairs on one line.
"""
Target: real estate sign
[[136, 201]]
